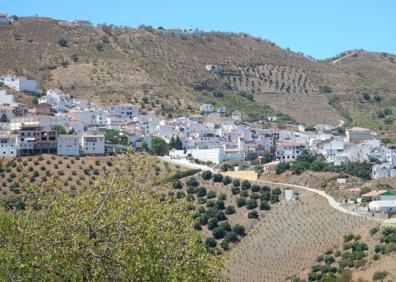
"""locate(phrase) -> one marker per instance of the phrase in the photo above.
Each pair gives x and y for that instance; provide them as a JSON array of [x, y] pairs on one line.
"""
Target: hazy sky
[[320, 28]]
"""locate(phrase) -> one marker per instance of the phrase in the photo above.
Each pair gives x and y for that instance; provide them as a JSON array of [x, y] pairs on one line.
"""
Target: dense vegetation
[[115, 137], [118, 229], [215, 209], [307, 161]]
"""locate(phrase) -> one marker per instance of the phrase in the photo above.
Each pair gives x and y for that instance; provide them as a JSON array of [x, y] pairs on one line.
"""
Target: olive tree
[[119, 229]]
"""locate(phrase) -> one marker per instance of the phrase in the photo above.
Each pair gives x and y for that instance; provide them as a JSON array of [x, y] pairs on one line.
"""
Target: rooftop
[[289, 144], [8, 136], [94, 135], [375, 193], [383, 204], [358, 129]]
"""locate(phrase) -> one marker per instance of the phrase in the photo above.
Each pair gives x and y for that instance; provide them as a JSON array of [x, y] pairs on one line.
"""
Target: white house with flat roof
[[20, 83], [212, 155], [8, 145], [4, 20], [13, 110], [206, 108], [387, 206], [236, 115], [115, 121], [93, 144], [68, 145], [6, 98], [288, 151], [59, 101], [129, 110], [358, 134]]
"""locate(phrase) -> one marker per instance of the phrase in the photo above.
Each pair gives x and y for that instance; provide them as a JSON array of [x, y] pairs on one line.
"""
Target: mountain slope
[[109, 64]]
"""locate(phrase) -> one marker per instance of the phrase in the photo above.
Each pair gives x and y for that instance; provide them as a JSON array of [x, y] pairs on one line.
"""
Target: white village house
[[93, 144], [20, 83], [68, 145], [59, 101], [387, 206], [129, 110], [288, 151], [8, 145], [6, 98], [206, 108], [4, 20]]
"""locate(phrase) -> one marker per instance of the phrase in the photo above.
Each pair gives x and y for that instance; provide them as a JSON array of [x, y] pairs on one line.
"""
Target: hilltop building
[[20, 83], [4, 20]]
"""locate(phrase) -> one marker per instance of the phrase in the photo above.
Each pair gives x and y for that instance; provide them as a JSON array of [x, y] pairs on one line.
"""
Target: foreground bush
[[117, 230]]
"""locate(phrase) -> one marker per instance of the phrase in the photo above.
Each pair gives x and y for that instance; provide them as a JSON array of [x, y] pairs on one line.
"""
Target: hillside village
[[213, 135], [235, 167], [63, 125]]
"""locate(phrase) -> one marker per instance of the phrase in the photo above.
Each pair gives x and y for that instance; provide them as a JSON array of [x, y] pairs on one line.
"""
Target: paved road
[[186, 163], [332, 202]]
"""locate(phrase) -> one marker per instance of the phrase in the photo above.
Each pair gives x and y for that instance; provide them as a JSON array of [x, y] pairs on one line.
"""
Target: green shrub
[[239, 229], [211, 194], [220, 204], [197, 226], [256, 188], [201, 191], [192, 181], [210, 243], [230, 210], [212, 223], [63, 42], [264, 206], [218, 233], [374, 230], [217, 177], [235, 190], [245, 185], [207, 175], [380, 275], [253, 214], [226, 226], [203, 219], [231, 236], [241, 201], [226, 180], [176, 183], [224, 245], [251, 204], [254, 196], [210, 204]]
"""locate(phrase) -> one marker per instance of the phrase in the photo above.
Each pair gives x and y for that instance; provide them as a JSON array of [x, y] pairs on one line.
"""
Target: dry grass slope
[[110, 64]]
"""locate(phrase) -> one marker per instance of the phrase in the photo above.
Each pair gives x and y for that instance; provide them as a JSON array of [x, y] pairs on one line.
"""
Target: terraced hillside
[[267, 79], [167, 73], [288, 239]]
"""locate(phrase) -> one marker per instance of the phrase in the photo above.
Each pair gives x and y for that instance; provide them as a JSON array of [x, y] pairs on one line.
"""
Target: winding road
[[332, 202]]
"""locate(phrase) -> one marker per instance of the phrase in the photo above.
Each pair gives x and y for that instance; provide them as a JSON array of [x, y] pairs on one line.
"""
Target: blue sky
[[315, 27]]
